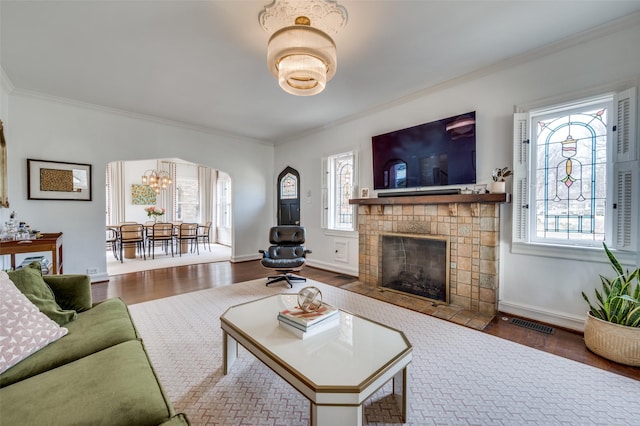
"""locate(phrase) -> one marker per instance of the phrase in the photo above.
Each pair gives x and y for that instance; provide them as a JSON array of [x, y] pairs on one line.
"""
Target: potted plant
[[612, 328], [498, 176]]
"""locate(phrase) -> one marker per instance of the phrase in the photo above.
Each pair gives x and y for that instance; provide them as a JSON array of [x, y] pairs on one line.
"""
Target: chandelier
[[301, 54], [156, 179]]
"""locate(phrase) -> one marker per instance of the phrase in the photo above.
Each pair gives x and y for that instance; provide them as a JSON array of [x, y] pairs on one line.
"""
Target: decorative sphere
[[310, 299]]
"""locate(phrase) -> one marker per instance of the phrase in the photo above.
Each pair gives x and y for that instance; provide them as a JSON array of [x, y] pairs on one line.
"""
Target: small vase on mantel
[[497, 187]]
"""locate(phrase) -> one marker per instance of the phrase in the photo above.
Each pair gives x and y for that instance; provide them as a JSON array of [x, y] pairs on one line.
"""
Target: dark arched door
[[289, 197]]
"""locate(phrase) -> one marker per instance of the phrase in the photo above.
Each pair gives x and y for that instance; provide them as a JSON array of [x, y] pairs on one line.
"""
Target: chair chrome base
[[288, 277]]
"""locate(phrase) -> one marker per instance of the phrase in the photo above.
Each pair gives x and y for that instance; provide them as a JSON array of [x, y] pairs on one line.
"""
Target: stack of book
[[45, 263], [306, 324]]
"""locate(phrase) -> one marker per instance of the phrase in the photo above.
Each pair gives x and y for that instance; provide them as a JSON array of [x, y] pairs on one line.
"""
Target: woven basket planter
[[615, 342]]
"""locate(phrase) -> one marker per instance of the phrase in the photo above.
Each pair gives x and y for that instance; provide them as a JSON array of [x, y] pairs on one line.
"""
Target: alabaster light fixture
[[301, 54], [156, 179]]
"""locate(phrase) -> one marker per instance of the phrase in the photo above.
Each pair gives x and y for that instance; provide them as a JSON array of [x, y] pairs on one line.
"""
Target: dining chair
[[188, 234], [204, 232], [112, 241], [160, 233], [132, 236]]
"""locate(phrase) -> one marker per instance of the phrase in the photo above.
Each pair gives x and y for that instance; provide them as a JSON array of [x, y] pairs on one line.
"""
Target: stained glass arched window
[[576, 174], [570, 153], [289, 187]]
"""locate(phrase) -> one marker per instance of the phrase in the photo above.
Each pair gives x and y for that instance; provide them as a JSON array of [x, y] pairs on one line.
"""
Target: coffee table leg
[[230, 351], [401, 390], [336, 415]]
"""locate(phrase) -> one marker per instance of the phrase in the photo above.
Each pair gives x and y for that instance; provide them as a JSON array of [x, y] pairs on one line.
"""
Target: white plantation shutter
[[625, 131], [626, 180], [625, 208], [520, 177]]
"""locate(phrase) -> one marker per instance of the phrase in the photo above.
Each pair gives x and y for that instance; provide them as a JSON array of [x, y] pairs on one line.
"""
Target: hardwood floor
[[155, 284]]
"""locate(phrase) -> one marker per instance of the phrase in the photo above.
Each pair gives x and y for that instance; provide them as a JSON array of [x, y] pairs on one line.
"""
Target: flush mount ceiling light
[[301, 54]]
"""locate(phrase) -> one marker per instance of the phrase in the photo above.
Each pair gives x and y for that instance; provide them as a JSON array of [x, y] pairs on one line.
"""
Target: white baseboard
[[310, 262], [559, 319], [96, 278], [245, 258], [332, 267]]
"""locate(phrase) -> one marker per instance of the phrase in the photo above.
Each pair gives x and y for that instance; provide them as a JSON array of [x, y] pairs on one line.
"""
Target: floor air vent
[[532, 325]]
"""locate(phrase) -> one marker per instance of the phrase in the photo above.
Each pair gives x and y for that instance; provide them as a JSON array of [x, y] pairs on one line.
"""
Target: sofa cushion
[[29, 281], [116, 386], [72, 291], [23, 328], [107, 324]]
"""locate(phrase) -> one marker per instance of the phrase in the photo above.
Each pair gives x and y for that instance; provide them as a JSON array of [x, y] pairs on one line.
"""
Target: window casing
[[340, 173], [224, 202], [187, 200], [575, 170]]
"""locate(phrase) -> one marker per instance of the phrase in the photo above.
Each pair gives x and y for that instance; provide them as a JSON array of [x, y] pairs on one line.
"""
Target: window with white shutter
[[576, 174]]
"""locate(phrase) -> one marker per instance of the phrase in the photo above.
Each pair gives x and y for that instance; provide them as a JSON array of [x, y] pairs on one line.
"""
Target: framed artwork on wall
[[58, 180], [142, 195]]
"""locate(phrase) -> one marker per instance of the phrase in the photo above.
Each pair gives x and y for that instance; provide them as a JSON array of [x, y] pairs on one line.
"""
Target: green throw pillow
[[29, 281]]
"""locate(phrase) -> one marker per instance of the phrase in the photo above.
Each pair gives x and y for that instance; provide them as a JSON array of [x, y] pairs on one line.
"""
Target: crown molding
[[6, 81]]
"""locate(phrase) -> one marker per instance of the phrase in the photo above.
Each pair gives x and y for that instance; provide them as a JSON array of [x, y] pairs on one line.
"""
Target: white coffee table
[[336, 370]]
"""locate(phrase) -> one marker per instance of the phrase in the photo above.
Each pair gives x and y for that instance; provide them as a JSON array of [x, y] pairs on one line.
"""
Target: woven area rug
[[218, 253], [458, 376]]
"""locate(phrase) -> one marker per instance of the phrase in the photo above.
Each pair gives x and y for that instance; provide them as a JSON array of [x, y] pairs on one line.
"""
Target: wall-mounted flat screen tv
[[439, 153]]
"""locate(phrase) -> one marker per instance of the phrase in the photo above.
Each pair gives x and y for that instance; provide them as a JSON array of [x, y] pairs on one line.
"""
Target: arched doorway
[[197, 194], [289, 197]]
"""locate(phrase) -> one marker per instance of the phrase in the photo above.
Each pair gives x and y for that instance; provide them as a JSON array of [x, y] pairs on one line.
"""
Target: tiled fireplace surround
[[470, 222]]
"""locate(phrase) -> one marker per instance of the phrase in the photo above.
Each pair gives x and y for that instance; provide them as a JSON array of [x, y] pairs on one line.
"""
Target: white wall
[[133, 171], [542, 288], [50, 129]]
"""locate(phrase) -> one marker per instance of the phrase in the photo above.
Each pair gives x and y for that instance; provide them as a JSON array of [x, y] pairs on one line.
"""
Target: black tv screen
[[439, 153]]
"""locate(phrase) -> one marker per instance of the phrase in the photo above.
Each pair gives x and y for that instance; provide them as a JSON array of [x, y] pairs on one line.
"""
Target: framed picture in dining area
[[58, 180]]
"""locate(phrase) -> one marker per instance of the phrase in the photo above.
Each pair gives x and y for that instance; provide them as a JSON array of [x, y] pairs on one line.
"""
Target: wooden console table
[[47, 242]]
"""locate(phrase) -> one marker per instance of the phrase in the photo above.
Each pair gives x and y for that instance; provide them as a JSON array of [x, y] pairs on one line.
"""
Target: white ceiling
[[203, 63]]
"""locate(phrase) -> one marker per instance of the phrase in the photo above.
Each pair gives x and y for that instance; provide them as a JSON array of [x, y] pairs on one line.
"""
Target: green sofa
[[97, 374]]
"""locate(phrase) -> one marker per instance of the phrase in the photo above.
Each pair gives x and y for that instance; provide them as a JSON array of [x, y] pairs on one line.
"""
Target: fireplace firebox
[[417, 265]]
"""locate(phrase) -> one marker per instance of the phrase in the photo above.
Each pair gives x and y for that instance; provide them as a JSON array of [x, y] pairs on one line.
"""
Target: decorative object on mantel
[[612, 328], [300, 53], [480, 189], [498, 176], [364, 192]]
